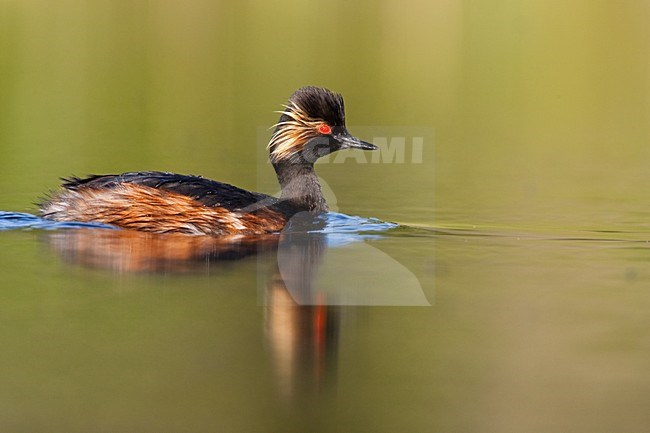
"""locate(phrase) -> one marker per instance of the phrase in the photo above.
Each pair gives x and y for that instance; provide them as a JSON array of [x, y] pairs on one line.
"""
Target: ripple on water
[[20, 220]]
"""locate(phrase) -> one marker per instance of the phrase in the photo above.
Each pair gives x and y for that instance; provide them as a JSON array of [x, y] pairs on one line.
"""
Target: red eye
[[325, 129]]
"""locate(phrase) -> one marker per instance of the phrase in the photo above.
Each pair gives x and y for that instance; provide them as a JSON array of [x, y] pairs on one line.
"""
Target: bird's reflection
[[131, 251], [300, 328], [303, 340]]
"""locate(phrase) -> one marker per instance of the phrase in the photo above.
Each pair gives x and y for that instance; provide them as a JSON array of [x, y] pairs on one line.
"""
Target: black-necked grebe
[[312, 125]]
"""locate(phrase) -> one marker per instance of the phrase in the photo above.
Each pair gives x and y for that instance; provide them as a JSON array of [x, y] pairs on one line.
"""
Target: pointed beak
[[349, 142]]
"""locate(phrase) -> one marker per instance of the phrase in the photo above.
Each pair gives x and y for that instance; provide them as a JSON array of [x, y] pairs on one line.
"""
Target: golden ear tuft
[[291, 135]]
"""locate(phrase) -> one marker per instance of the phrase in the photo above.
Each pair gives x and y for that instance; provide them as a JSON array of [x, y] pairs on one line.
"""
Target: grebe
[[312, 125]]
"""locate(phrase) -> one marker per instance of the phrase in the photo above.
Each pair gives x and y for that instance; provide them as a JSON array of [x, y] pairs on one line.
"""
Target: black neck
[[300, 186]]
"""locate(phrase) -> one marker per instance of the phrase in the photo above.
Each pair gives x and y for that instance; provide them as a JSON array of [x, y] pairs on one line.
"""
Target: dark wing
[[206, 191]]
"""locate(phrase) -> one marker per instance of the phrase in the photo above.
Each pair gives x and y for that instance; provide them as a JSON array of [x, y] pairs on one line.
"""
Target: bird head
[[312, 125]]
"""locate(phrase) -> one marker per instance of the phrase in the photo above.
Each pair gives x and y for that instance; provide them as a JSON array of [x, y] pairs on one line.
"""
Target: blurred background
[[540, 120]]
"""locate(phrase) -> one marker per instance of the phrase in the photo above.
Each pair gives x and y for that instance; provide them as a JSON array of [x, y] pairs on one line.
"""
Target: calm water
[[489, 271]]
